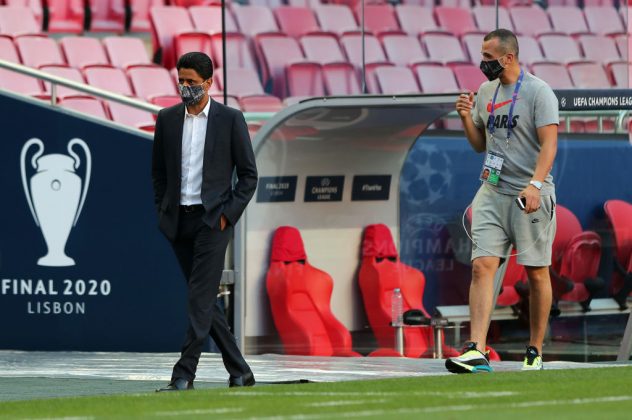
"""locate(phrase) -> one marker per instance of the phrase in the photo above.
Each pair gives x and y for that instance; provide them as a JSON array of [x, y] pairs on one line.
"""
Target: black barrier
[[595, 99], [82, 263]]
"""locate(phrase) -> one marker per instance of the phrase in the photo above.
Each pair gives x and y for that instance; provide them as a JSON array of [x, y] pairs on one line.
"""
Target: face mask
[[191, 95], [492, 69]]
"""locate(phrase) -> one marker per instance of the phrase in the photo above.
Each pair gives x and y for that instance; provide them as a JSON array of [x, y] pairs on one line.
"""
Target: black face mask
[[492, 69]]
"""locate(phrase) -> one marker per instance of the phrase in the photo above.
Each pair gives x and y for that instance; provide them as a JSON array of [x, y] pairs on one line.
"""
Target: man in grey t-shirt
[[514, 121]]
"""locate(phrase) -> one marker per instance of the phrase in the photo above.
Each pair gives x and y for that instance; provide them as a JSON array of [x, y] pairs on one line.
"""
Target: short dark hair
[[198, 61], [506, 39]]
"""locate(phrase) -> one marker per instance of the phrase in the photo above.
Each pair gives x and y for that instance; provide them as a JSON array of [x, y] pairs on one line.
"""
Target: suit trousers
[[200, 250]]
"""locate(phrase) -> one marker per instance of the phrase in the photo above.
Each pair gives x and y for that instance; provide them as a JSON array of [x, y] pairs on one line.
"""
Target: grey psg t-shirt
[[536, 106]]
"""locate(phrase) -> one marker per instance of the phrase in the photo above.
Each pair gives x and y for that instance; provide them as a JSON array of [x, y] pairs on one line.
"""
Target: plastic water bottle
[[397, 308]]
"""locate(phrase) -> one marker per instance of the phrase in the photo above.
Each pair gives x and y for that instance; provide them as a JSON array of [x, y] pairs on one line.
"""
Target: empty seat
[[623, 46], [304, 79], [16, 21], [107, 15], [568, 19], [34, 5], [530, 51], [126, 51], [444, 48], [341, 79], [469, 77], [589, 76], [191, 42], [336, 18], [65, 16], [83, 51], [378, 18], [619, 214], [255, 20], [130, 116], [300, 296], [554, 74], [209, 19], [38, 51], [472, 44], [560, 48], [248, 90], [109, 78], [277, 52], [296, 21], [322, 49], [455, 19], [64, 72], [416, 20], [395, 80], [166, 23], [620, 72], [604, 20], [374, 56], [599, 48], [12, 81], [238, 51], [85, 105], [166, 101], [404, 50], [140, 14], [486, 18], [436, 79], [149, 82], [530, 20]]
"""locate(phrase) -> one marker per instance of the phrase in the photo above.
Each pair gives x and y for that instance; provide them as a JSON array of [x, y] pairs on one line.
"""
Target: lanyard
[[490, 126]]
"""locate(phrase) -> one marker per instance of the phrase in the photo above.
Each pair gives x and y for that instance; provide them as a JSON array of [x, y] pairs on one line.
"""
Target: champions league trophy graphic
[[55, 196]]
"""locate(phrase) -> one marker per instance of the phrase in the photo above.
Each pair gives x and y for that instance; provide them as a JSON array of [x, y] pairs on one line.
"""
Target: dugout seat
[[380, 273], [299, 299], [619, 214]]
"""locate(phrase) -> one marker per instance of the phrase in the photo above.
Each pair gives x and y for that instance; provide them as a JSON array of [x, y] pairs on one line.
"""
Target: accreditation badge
[[492, 167]]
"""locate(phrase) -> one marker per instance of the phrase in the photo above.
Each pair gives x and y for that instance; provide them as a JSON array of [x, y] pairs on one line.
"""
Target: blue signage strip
[[324, 188], [371, 187], [276, 189]]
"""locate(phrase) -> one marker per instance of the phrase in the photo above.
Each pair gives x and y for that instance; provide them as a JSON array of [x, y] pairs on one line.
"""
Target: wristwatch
[[536, 184]]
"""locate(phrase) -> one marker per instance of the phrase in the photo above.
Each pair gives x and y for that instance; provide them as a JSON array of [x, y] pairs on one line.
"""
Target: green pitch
[[579, 393]]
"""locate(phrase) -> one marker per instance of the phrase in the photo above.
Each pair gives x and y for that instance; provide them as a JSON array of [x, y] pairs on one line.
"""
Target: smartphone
[[521, 202]]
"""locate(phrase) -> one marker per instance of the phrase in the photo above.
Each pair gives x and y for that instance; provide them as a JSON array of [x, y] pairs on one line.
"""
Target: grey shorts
[[498, 223]]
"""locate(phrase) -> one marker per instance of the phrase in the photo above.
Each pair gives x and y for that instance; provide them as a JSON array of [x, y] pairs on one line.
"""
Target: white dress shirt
[[193, 138]]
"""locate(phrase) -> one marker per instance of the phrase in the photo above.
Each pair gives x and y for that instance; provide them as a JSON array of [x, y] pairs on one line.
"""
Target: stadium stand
[[13, 81], [166, 23], [81, 51]]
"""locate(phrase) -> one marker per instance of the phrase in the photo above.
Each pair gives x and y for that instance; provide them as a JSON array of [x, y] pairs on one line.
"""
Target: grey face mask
[[191, 95]]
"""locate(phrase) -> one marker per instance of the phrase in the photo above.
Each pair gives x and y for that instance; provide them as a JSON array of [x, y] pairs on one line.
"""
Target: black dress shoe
[[246, 380], [177, 385]]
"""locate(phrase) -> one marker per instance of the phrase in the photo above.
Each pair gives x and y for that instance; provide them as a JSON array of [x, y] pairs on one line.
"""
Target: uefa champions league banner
[[82, 263]]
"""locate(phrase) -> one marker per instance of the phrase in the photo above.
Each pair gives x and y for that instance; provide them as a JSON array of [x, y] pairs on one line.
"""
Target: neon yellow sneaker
[[471, 360], [532, 359]]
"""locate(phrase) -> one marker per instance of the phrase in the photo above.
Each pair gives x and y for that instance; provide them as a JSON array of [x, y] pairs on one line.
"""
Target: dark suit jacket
[[227, 148]]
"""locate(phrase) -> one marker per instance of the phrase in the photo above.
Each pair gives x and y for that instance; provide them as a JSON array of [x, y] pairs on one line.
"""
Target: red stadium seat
[[589, 76], [599, 48], [191, 42], [568, 19], [404, 50], [469, 77], [300, 296], [69, 73], [341, 79], [130, 116], [12, 81], [65, 16], [472, 43], [255, 20], [486, 18], [39, 51], [380, 273], [336, 18], [85, 105], [34, 5], [556, 75], [126, 51], [374, 56], [277, 52], [604, 20], [238, 51], [209, 19], [622, 45], [322, 49], [619, 215], [296, 21], [416, 20], [396, 80], [107, 15], [305, 79], [83, 51], [530, 20], [248, 90], [560, 48], [109, 78], [166, 101], [378, 18], [620, 73], [195, 3], [140, 14], [455, 19], [149, 82], [445, 48], [436, 79], [166, 23], [16, 21], [530, 51]]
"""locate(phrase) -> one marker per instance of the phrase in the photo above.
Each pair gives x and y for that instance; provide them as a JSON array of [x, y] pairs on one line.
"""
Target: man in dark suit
[[197, 146]]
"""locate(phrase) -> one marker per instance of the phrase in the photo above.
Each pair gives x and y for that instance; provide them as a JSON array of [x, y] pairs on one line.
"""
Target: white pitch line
[[446, 394], [344, 402], [199, 411]]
